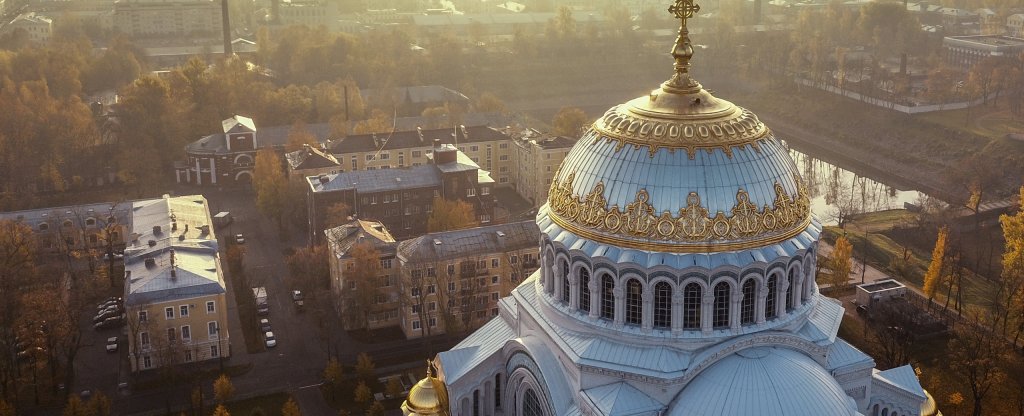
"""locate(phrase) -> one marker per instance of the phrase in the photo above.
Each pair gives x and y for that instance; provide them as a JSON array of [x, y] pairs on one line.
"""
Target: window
[[188, 356], [485, 218], [692, 295], [351, 285], [476, 402], [143, 316], [416, 308], [481, 282], [494, 263], [451, 286], [430, 272], [531, 404], [369, 157], [44, 226], [416, 324], [773, 293], [565, 281], [662, 305], [385, 263], [211, 307], [415, 292], [634, 303], [494, 280], [373, 199], [514, 259], [451, 269], [793, 290], [485, 190], [169, 313], [214, 351], [381, 299], [584, 290], [497, 391], [432, 321], [147, 362], [417, 153], [471, 192], [90, 222], [171, 334], [211, 329], [607, 297], [503, 146], [503, 169], [432, 306], [431, 289], [747, 307], [722, 293], [503, 179], [503, 158], [186, 333], [144, 339], [183, 310], [494, 296]]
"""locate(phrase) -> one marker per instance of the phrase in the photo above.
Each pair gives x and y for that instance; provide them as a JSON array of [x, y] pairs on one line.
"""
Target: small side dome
[[767, 381], [429, 397]]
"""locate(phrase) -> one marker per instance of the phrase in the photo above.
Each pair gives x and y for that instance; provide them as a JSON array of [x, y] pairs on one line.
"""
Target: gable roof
[[414, 138], [903, 378], [472, 241], [342, 238], [622, 399], [310, 157], [238, 124]]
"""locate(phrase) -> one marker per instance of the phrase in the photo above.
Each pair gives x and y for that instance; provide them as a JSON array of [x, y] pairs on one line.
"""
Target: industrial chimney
[[226, 23]]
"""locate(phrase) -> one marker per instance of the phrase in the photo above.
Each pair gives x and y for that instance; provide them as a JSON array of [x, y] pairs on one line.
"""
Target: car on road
[[297, 295], [239, 239], [112, 344], [116, 256], [270, 340], [112, 322], [265, 325]]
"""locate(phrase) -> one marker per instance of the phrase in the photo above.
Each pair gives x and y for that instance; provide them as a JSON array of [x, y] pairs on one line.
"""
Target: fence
[[918, 109]]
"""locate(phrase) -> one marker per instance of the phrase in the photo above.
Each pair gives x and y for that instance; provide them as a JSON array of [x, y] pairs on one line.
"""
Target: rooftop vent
[[150, 263], [324, 179], [419, 132], [437, 242], [398, 179], [152, 243], [181, 237], [157, 230], [500, 233], [174, 226]]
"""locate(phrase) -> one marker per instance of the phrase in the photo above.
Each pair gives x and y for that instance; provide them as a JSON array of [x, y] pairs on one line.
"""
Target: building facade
[[432, 284], [1015, 25], [402, 199], [100, 228], [963, 52], [38, 28], [537, 158], [678, 259], [168, 18], [175, 303]]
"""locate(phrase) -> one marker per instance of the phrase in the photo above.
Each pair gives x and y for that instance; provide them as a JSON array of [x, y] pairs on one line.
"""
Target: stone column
[[595, 297], [760, 303], [557, 281], [647, 310], [734, 310], [707, 312], [677, 312], [574, 290], [783, 298], [620, 305]]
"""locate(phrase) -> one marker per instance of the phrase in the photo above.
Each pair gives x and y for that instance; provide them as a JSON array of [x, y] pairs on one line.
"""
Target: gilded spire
[[683, 50]]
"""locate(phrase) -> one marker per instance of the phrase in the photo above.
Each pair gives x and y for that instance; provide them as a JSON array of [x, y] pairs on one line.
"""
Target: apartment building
[[176, 309], [38, 28], [167, 18], [432, 284], [538, 156], [91, 227]]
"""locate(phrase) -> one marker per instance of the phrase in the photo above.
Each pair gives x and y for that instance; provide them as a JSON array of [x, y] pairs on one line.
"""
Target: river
[[833, 189]]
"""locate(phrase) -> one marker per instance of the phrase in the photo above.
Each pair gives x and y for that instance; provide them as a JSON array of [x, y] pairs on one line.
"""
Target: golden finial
[[683, 50]]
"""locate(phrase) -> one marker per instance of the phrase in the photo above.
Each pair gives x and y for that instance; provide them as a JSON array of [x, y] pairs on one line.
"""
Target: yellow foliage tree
[[270, 184], [570, 122], [933, 277], [299, 136], [840, 262], [223, 390], [290, 408], [1012, 285], [450, 215], [221, 411]]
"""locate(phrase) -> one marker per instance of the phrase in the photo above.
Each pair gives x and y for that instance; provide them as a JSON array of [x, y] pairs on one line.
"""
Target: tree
[[569, 122], [99, 404], [892, 331], [448, 215], [223, 390], [376, 409], [300, 136], [363, 395], [490, 103], [75, 407], [394, 388], [337, 214], [333, 374], [290, 408], [933, 277], [270, 184], [979, 358], [358, 302], [839, 262], [221, 411], [365, 367], [1011, 291]]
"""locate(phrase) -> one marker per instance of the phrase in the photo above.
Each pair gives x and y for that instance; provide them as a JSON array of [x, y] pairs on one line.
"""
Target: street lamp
[[220, 347]]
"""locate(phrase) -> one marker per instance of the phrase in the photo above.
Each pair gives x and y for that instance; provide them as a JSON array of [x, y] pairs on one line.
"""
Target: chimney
[[324, 179], [419, 132], [465, 134], [174, 268], [376, 141], [157, 230], [150, 263], [226, 23]]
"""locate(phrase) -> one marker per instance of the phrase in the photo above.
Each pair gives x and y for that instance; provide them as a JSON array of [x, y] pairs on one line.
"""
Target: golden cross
[[684, 9]]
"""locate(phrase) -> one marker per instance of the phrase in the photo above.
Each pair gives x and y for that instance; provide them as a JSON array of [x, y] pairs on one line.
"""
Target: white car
[[296, 295], [270, 340], [239, 239], [112, 344]]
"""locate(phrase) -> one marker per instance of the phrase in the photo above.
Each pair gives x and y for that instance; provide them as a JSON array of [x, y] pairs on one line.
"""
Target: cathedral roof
[[768, 381]]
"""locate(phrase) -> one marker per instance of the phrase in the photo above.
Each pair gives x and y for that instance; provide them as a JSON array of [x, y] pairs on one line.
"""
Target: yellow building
[[140, 18], [537, 157], [176, 309]]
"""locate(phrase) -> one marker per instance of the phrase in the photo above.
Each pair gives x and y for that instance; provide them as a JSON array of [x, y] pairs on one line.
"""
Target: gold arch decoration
[[744, 226]]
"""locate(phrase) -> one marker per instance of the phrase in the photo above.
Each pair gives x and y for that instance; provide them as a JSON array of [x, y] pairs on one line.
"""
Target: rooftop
[[101, 211], [470, 242], [310, 157], [343, 237], [173, 251], [996, 41], [380, 180]]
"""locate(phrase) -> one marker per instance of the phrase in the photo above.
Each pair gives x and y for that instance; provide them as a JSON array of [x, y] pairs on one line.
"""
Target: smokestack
[[226, 23]]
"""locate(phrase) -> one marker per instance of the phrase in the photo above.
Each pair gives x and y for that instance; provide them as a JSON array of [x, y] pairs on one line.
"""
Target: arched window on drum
[[770, 310], [723, 293], [584, 289], [662, 305], [749, 299], [565, 281], [692, 300], [634, 302], [607, 297]]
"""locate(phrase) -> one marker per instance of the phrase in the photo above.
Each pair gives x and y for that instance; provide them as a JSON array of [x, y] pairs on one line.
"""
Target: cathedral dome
[[429, 397], [765, 381]]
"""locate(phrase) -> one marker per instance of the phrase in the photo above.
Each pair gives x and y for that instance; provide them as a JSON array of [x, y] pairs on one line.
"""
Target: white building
[[38, 28], [1015, 25], [677, 278], [169, 18]]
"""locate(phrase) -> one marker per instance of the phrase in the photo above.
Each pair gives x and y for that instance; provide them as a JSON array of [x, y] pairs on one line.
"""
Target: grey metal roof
[[469, 242], [310, 158], [55, 215], [188, 248], [342, 238], [380, 180], [410, 138]]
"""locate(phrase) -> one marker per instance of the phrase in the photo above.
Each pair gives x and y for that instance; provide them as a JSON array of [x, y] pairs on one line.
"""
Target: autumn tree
[[570, 122], [223, 390], [365, 367], [333, 374], [449, 215], [394, 387], [1011, 287], [363, 395], [979, 359], [221, 411], [490, 103], [376, 409], [290, 408], [360, 294], [933, 277], [840, 263], [337, 214], [892, 332], [309, 269], [270, 184], [300, 136]]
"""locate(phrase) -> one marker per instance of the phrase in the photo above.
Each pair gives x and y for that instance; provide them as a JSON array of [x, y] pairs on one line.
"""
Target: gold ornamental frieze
[[738, 129], [744, 225]]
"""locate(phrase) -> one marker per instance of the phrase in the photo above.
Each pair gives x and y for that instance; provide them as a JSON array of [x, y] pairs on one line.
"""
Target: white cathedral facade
[[678, 253]]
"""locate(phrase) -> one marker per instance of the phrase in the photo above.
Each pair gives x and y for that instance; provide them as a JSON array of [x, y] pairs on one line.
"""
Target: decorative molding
[[694, 229]]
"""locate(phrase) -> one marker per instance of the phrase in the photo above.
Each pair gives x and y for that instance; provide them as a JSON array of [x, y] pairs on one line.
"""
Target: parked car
[[270, 340], [239, 239], [112, 344], [112, 322], [115, 307], [104, 315], [31, 352], [104, 305], [116, 256], [265, 325], [297, 295]]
